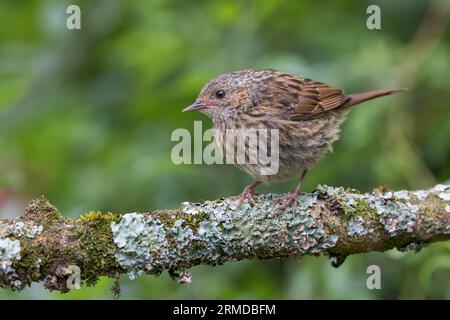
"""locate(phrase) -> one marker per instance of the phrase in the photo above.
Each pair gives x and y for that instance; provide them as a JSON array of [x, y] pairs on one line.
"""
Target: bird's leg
[[292, 198], [247, 193]]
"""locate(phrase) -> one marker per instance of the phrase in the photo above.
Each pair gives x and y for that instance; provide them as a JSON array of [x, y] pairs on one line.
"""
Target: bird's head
[[226, 94]]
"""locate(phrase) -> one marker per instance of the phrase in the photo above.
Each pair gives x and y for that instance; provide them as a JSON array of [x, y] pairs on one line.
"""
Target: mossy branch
[[43, 245]]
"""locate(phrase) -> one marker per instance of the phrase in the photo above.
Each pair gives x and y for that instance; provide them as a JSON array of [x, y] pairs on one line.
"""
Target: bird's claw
[[246, 194], [290, 199]]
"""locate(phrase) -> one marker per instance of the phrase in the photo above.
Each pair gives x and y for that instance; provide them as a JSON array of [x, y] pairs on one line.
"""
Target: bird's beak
[[194, 107]]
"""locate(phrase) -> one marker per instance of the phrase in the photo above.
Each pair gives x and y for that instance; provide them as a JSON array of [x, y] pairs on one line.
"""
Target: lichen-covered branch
[[43, 245]]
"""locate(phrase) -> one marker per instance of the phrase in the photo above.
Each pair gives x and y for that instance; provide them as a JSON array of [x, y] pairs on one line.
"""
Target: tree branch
[[44, 245]]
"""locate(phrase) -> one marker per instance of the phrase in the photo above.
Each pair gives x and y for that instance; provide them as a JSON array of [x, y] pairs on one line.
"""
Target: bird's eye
[[220, 94]]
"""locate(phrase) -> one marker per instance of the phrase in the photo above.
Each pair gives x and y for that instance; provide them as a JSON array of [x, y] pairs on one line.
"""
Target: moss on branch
[[43, 245]]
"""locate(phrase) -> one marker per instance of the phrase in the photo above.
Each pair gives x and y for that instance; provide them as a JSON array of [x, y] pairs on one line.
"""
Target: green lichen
[[42, 212], [19, 233], [190, 219], [361, 208], [356, 216], [32, 261], [96, 241], [86, 242], [90, 216]]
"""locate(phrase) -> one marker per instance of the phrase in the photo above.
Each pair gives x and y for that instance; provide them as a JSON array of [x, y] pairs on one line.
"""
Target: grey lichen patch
[[142, 244], [440, 188], [443, 191], [445, 196], [347, 200], [350, 202], [357, 214], [9, 252], [258, 228], [356, 227], [420, 195], [396, 214], [395, 211], [9, 249], [331, 191], [402, 195], [398, 217], [20, 228]]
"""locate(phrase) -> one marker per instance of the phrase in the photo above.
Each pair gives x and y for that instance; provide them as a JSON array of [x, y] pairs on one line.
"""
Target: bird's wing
[[315, 98], [300, 98]]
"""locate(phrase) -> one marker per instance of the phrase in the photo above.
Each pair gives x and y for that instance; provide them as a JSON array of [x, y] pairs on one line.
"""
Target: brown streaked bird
[[307, 113]]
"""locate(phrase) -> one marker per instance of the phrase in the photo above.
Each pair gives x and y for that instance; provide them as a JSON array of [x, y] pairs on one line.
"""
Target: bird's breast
[[299, 145]]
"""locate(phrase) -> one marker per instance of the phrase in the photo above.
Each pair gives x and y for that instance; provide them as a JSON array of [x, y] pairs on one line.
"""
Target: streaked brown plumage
[[307, 113]]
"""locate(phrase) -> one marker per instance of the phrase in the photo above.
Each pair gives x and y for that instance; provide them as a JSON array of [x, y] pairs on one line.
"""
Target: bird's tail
[[357, 98]]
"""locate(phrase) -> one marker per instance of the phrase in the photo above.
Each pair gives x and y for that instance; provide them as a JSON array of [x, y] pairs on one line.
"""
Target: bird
[[307, 115]]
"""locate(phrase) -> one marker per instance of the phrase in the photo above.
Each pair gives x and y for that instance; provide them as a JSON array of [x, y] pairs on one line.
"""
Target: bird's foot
[[248, 193], [290, 199], [287, 201]]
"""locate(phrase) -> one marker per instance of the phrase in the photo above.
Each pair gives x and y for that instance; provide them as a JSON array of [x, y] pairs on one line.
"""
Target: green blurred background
[[86, 118]]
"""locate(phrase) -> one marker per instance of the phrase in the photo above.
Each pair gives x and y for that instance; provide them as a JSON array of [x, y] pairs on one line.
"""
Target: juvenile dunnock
[[307, 114]]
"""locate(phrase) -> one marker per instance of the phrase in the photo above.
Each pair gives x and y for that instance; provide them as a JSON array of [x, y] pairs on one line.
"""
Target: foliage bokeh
[[86, 118]]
